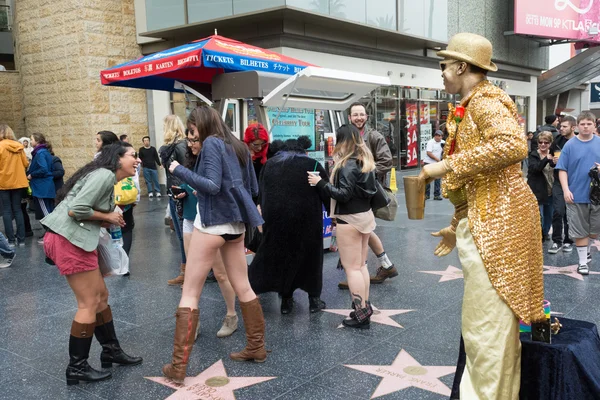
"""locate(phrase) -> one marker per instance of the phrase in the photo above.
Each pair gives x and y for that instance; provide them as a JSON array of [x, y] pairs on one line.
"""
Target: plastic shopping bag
[[112, 258]]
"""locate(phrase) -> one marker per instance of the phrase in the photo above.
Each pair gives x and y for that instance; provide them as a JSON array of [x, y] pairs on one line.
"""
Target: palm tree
[[387, 22], [321, 6], [335, 8]]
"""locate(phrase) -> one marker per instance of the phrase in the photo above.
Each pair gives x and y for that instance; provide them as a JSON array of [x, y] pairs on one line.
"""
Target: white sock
[[384, 260], [582, 252], [589, 247]]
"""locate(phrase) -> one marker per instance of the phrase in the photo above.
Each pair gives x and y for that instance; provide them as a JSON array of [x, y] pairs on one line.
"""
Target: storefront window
[[424, 18], [204, 10], [523, 110], [244, 6], [382, 14], [164, 13]]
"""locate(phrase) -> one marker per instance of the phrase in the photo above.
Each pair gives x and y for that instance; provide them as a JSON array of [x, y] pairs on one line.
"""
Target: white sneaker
[[150, 194], [6, 262], [554, 248], [567, 247], [158, 195], [583, 269]]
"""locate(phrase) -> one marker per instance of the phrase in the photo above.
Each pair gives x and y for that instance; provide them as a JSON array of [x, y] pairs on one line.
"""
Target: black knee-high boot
[[107, 337], [79, 351]]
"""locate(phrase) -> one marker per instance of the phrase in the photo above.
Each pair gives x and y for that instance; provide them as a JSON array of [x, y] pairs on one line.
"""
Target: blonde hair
[[350, 144], [6, 132], [547, 136], [173, 128]]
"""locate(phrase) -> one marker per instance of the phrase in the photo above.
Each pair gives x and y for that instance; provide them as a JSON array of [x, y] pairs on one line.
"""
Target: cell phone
[[174, 191], [540, 331]]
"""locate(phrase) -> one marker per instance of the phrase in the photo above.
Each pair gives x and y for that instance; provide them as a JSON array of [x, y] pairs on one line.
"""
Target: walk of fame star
[[405, 372], [596, 244], [451, 273], [212, 383], [570, 270], [379, 316]]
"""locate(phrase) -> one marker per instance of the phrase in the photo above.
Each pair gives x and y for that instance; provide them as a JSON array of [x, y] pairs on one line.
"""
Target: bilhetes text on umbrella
[[254, 63]]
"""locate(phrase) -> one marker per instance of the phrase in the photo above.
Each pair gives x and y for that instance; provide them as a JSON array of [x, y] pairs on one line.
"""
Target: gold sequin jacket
[[484, 150]]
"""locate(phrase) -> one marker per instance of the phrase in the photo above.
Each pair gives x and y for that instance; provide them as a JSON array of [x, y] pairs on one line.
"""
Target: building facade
[[53, 84]]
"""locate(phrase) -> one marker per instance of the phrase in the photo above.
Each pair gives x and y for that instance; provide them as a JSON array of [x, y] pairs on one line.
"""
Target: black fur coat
[[290, 255]]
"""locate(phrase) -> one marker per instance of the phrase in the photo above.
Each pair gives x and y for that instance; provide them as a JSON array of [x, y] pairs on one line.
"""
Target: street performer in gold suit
[[496, 223]]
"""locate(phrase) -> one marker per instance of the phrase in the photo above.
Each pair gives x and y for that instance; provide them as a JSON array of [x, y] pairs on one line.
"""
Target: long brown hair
[[350, 144], [209, 123], [41, 139]]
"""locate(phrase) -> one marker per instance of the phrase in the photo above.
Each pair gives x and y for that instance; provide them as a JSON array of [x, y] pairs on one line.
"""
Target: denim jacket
[[224, 189], [94, 192]]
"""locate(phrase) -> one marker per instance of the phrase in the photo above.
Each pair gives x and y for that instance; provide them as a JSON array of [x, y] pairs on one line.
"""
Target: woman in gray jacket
[[85, 205]]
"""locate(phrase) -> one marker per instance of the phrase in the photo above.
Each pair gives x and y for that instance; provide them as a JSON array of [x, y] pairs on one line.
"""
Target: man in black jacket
[[559, 217], [150, 159], [552, 122]]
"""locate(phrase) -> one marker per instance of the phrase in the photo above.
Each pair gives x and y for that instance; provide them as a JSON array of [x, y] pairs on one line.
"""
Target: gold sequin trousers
[[490, 330]]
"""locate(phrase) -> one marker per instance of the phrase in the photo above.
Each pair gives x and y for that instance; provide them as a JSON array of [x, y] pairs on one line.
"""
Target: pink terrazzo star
[[451, 273], [406, 372], [212, 383], [379, 316], [570, 270]]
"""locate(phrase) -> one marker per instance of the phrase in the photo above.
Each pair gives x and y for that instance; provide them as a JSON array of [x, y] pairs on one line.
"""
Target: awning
[[197, 62]]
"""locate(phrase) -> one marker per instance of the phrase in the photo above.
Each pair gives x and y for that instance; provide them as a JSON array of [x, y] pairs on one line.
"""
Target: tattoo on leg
[[357, 300]]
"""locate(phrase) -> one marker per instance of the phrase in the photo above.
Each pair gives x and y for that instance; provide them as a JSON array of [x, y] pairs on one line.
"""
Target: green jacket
[[94, 192]]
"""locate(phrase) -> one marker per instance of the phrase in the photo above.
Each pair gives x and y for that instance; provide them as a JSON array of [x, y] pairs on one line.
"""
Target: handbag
[[594, 186], [384, 203], [125, 192], [112, 259]]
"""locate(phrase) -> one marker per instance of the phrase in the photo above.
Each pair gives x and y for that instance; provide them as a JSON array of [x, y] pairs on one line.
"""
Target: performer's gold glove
[[448, 242], [436, 170]]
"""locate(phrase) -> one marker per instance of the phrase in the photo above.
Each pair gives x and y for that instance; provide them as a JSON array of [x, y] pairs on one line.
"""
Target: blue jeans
[[546, 210], [11, 206], [5, 250], [151, 178], [178, 225], [437, 192]]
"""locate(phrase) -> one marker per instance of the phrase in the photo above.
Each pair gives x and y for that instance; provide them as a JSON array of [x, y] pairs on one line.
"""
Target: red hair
[[255, 132]]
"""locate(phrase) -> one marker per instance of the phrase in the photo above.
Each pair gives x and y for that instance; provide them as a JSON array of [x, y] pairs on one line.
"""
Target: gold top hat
[[470, 48]]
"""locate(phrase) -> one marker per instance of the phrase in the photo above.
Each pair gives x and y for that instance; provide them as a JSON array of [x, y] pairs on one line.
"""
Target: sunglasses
[[193, 141], [443, 65], [544, 142], [134, 154], [261, 144]]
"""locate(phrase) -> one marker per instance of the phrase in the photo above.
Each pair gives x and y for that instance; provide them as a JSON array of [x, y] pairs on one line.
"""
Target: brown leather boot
[[186, 321], [179, 279], [383, 274], [254, 322]]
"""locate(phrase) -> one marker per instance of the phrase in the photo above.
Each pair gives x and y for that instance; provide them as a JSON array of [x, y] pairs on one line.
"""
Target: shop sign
[[291, 123], [559, 19], [412, 121], [595, 92]]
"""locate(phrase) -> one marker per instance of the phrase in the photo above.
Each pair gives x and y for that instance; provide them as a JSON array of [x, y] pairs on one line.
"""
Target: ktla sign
[[558, 19]]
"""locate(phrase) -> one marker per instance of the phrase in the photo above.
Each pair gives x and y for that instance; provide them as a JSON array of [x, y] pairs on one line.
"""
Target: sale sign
[[412, 122], [559, 19]]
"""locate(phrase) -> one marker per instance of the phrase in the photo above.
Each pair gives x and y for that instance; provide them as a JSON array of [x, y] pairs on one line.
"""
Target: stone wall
[[11, 110], [61, 47]]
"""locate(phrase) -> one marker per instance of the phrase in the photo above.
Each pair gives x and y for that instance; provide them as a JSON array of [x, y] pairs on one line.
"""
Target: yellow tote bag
[[125, 192]]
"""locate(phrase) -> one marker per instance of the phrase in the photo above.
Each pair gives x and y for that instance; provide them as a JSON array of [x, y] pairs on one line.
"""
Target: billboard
[[558, 19]]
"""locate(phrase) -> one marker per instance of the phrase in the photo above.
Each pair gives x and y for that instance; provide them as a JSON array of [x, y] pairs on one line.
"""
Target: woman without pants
[[85, 205], [190, 204], [225, 182], [13, 179], [353, 184]]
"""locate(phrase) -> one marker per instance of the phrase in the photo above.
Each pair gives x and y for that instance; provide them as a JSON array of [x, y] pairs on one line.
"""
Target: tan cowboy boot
[[179, 279], [254, 322], [186, 321]]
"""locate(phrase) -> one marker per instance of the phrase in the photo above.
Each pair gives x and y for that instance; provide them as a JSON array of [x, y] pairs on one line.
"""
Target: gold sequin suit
[[503, 213]]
